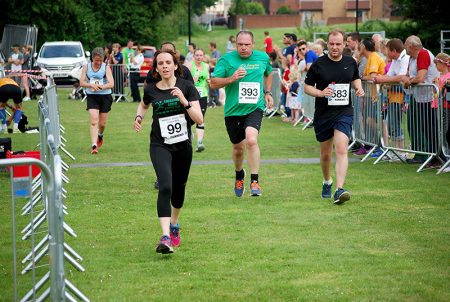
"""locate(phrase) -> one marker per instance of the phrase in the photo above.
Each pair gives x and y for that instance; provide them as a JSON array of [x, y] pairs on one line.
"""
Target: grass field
[[390, 242]]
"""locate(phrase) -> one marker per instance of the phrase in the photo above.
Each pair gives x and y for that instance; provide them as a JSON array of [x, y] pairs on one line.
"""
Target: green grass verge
[[389, 242]]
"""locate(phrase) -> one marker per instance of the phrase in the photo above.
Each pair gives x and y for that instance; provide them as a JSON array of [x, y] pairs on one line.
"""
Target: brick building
[[333, 11]]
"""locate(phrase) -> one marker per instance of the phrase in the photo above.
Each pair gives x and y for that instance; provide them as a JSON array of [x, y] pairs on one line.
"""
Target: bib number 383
[[173, 129], [340, 95], [249, 92]]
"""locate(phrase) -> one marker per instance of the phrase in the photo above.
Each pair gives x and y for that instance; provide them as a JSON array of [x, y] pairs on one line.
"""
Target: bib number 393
[[249, 92], [173, 129], [340, 95]]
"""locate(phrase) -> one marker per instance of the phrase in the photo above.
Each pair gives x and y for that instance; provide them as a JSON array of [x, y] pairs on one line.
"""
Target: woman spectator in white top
[[97, 78]]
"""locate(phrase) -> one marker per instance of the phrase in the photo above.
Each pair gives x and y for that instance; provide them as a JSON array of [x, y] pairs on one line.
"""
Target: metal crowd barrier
[[276, 93], [44, 192], [121, 80], [444, 113], [308, 106], [399, 121], [367, 121]]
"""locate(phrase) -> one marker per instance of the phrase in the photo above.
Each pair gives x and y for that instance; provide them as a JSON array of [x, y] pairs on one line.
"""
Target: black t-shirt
[[323, 72], [168, 111], [185, 74]]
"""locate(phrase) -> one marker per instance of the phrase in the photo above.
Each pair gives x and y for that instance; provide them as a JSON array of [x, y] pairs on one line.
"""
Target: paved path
[[208, 162]]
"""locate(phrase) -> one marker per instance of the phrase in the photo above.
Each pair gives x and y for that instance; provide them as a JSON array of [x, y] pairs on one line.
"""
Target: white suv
[[62, 59]]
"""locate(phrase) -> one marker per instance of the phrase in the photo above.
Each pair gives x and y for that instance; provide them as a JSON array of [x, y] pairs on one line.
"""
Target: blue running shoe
[[341, 195], [255, 189], [376, 153], [326, 190], [239, 187], [165, 245]]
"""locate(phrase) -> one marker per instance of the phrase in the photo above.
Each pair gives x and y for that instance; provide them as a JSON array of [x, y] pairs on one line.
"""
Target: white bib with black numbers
[[341, 95], [173, 129], [96, 81], [249, 92]]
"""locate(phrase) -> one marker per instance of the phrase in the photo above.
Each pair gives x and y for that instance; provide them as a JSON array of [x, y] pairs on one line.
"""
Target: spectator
[[442, 62], [26, 65], [268, 43], [290, 41], [108, 54], [318, 49], [421, 120], [378, 40], [353, 41], [126, 53], [10, 89], [398, 69], [322, 43], [375, 64], [16, 61], [274, 59], [215, 54], [136, 61], [190, 54], [230, 44]]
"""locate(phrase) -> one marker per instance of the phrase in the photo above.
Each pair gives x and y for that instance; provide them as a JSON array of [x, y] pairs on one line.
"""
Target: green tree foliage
[[96, 23], [430, 18], [243, 7], [285, 10]]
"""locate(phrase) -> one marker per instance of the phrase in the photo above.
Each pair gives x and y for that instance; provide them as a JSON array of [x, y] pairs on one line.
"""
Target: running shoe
[[175, 234], [165, 245], [361, 151], [239, 187], [99, 141], [341, 195], [376, 153], [26, 99], [200, 148], [255, 189], [94, 149], [326, 190]]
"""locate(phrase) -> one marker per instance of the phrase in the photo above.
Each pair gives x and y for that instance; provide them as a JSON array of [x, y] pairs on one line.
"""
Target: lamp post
[[357, 14], [189, 21]]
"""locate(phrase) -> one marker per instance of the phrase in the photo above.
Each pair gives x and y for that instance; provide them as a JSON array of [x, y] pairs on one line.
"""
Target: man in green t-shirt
[[126, 53], [246, 75]]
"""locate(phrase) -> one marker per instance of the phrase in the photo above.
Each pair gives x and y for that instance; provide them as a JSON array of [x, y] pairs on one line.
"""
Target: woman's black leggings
[[172, 170]]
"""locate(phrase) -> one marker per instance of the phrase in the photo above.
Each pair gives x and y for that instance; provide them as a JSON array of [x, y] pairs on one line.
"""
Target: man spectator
[[375, 64], [136, 63], [126, 53], [353, 41], [421, 118], [398, 69], [215, 54], [268, 43], [310, 55]]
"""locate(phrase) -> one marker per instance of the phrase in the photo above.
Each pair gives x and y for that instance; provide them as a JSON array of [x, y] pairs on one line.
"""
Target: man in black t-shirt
[[328, 80]]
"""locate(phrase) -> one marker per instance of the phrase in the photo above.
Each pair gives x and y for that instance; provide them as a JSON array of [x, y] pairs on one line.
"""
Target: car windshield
[[148, 53], [60, 51]]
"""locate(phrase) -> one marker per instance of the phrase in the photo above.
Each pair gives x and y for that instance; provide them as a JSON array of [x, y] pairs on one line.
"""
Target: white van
[[62, 59]]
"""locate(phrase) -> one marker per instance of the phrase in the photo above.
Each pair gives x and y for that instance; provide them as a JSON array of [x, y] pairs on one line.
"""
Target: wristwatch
[[268, 92]]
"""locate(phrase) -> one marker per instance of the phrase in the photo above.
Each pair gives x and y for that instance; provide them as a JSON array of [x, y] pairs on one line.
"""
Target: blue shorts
[[325, 129]]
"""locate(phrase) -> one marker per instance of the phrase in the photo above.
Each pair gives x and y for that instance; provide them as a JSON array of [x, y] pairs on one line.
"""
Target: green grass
[[390, 242]]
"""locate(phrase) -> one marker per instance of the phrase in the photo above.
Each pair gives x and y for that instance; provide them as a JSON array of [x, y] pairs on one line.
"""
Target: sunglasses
[[302, 49]]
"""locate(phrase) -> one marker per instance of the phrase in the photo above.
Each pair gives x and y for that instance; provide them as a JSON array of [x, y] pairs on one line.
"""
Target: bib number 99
[[172, 128]]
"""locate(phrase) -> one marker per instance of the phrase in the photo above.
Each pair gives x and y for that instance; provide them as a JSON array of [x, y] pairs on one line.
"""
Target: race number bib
[[341, 95], [249, 92], [96, 81], [173, 129]]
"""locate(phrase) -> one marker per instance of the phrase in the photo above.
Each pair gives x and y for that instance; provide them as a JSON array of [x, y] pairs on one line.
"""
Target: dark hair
[[302, 42], [109, 48], [168, 43], [273, 55], [178, 71], [347, 51], [355, 36], [266, 33], [213, 44], [193, 45], [395, 44], [368, 44]]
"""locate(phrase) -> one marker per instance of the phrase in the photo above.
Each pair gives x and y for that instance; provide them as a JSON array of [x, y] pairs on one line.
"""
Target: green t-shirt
[[126, 56], [247, 94], [202, 83]]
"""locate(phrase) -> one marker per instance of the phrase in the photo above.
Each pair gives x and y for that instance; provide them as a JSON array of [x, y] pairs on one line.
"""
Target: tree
[[242, 7], [430, 17], [285, 10]]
